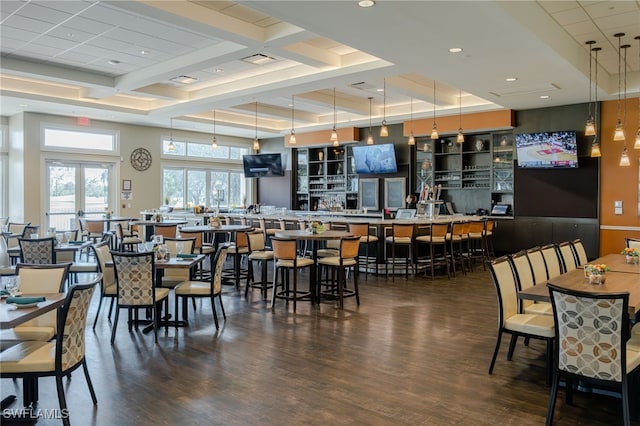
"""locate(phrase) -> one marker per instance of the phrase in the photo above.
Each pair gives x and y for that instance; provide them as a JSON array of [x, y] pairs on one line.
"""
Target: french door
[[77, 189]]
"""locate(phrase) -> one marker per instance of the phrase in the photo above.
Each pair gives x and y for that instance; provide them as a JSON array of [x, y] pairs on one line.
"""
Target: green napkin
[[187, 256], [25, 300], [4, 292]]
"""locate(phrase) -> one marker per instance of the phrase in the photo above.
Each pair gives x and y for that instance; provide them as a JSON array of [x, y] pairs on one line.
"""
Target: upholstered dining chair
[[167, 230], [347, 258], [513, 323], [108, 288], [38, 250], [126, 242], [211, 289], [15, 230], [633, 242], [591, 344], [526, 279], [580, 252], [538, 266], [37, 280], [551, 260], [135, 284], [567, 256], [173, 276], [31, 360]]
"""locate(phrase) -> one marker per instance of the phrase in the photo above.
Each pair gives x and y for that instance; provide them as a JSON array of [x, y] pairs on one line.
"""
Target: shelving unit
[[330, 176], [473, 175]]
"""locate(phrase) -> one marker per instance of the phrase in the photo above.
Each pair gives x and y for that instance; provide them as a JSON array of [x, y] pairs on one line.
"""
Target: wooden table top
[[180, 262], [617, 263], [11, 316], [299, 234], [575, 280], [221, 228]]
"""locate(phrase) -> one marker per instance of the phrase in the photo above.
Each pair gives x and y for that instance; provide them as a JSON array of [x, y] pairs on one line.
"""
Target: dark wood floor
[[415, 352]]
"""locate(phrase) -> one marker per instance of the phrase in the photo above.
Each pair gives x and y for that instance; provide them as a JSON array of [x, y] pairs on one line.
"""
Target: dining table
[[315, 239], [210, 233], [622, 277], [147, 226], [11, 316]]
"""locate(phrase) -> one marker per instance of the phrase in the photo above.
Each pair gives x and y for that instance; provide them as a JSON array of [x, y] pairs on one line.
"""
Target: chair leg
[[95, 320], [512, 346], [175, 310], [626, 415], [224, 314], [552, 398], [275, 287], [62, 400], [115, 325], [495, 351], [215, 314], [89, 384]]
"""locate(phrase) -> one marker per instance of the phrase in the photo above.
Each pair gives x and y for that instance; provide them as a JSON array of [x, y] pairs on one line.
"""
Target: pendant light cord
[[595, 102]]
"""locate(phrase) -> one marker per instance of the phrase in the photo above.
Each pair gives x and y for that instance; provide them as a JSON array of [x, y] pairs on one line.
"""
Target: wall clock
[[141, 159]]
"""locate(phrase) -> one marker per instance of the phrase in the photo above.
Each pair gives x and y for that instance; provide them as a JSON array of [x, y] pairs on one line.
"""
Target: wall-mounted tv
[[370, 159], [262, 165], [547, 150]]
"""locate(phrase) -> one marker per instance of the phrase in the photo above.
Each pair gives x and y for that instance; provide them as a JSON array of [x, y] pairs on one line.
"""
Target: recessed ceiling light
[[510, 79], [113, 62], [183, 79], [455, 50], [143, 52], [379, 90], [544, 96], [366, 3], [219, 70], [23, 105]]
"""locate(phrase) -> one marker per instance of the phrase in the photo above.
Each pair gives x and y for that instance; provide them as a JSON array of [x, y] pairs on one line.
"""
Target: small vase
[[632, 260], [597, 279]]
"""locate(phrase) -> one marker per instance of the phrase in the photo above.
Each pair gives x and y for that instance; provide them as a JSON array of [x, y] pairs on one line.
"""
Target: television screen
[[547, 150], [375, 159], [262, 165]]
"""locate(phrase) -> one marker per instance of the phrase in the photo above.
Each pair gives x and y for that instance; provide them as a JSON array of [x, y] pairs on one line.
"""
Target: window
[[200, 175], [4, 165], [80, 139]]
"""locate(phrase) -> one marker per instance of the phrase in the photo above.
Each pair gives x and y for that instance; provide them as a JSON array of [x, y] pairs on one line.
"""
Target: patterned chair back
[[218, 260], [37, 251], [590, 329], [135, 278], [70, 343]]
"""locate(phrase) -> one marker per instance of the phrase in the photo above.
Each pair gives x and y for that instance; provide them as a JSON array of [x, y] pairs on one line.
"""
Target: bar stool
[[271, 226], [346, 259], [362, 230], [488, 239], [257, 253], [286, 259], [458, 237], [437, 238], [236, 251], [477, 248], [401, 236]]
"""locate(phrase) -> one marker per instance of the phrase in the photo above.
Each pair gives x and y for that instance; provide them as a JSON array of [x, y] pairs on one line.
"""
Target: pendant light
[[590, 128], [595, 144], [370, 137], [171, 147], [214, 141], [624, 157], [636, 145], [460, 136], [384, 129], [292, 137], [434, 129], [256, 142], [412, 139], [618, 134], [334, 131]]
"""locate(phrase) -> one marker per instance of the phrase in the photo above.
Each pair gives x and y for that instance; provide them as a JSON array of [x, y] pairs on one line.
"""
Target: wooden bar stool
[[437, 239], [366, 239], [401, 236], [347, 258], [257, 253], [287, 259]]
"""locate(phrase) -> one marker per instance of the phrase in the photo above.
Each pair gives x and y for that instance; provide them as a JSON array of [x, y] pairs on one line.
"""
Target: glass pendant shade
[[336, 143], [334, 135], [214, 143], [590, 128], [171, 147], [434, 132], [618, 134], [412, 139], [425, 147], [636, 145], [370, 139], [384, 130], [624, 158], [256, 145], [460, 136], [595, 148], [292, 137]]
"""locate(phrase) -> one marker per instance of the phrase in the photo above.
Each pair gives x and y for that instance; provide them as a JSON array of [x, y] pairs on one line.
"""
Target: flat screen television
[[547, 150], [370, 159], [262, 165]]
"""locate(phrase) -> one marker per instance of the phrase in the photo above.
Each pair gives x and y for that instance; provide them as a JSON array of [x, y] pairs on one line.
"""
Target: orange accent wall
[[321, 138], [618, 183], [492, 120]]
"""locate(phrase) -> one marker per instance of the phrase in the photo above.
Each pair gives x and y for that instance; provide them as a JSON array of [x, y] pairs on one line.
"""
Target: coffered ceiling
[[145, 62]]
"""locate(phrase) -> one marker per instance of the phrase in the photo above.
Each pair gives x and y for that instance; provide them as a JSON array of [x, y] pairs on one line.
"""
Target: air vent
[[259, 59], [526, 90], [183, 79], [362, 86]]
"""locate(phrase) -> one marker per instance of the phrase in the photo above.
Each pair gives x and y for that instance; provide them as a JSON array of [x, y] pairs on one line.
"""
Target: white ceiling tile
[[9, 7], [579, 29], [615, 23], [109, 44], [71, 7], [558, 6], [570, 16], [39, 50], [55, 43], [71, 34], [78, 57], [45, 14], [32, 24], [609, 8], [88, 25], [92, 50], [18, 34], [109, 15], [186, 38]]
